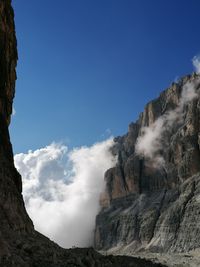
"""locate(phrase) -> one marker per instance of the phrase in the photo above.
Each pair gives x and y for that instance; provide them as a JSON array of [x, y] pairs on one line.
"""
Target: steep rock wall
[[13, 216], [153, 206]]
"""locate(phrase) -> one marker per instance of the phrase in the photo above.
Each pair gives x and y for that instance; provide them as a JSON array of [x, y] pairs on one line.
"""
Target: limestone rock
[[152, 207]]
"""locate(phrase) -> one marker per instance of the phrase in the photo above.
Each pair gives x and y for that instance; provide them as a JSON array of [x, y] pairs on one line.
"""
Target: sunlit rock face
[[152, 194]]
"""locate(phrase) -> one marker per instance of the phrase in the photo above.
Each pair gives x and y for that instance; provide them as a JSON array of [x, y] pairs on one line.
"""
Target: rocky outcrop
[[152, 198], [20, 244]]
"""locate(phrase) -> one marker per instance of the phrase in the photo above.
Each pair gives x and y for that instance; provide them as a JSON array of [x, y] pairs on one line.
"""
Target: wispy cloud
[[150, 143], [196, 63], [61, 189], [107, 134], [13, 111]]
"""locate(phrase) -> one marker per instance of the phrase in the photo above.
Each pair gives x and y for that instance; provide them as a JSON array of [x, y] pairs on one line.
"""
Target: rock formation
[[152, 197], [20, 244], [13, 216]]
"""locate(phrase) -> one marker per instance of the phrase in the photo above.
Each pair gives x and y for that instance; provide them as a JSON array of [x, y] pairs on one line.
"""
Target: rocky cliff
[[20, 244], [13, 216], [152, 197]]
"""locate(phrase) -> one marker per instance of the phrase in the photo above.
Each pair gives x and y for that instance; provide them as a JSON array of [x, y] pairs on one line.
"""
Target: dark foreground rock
[[35, 250], [20, 244], [152, 201]]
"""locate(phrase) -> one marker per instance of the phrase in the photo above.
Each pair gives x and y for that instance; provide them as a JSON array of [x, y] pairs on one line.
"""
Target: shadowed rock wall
[[13, 216]]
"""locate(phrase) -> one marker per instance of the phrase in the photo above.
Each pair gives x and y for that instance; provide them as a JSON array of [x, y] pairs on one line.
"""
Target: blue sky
[[88, 66]]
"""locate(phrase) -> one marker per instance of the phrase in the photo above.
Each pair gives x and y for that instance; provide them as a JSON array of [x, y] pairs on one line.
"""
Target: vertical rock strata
[[153, 207], [20, 244]]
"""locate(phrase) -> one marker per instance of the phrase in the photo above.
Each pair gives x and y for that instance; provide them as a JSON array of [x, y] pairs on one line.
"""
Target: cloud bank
[[150, 143], [61, 189]]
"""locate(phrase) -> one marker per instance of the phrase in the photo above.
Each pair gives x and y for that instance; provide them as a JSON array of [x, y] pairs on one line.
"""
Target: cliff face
[[13, 216], [152, 195], [20, 244]]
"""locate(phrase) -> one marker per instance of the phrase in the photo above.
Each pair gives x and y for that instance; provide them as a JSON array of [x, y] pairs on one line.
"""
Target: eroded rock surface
[[152, 205]]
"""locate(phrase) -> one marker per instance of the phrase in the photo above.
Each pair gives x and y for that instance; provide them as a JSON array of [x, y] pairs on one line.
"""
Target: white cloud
[[61, 189], [196, 63], [150, 142], [13, 111]]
